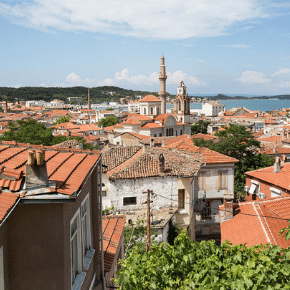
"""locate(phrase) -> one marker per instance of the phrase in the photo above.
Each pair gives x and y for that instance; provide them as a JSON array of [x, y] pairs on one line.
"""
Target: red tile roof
[[145, 163], [69, 169], [113, 228], [280, 179], [204, 136], [210, 156], [7, 201], [66, 126], [113, 157], [150, 98], [270, 139], [150, 126], [132, 121], [267, 218], [140, 117]]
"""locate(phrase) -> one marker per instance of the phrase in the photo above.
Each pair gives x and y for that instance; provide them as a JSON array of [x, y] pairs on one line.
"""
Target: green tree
[[286, 232], [30, 131], [235, 141], [193, 265], [199, 127], [108, 121], [109, 109], [62, 119]]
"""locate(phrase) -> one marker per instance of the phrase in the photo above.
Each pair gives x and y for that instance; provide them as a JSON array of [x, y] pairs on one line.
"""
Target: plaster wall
[[165, 186]]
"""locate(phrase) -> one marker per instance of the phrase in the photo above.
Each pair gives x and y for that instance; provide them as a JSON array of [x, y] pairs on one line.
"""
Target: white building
[[131, 171], [212, 109], [134, 106]]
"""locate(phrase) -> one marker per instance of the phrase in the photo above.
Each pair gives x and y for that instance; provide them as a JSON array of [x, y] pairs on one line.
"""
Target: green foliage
[[199, 127], [135, 236], [108, 121], [62, 119], [109, 109], [30, 131], [193, 265], [286, 232], [107, 210], [235, 141]]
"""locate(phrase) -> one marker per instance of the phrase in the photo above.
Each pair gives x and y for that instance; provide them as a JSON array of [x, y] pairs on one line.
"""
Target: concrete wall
[[39, 246]]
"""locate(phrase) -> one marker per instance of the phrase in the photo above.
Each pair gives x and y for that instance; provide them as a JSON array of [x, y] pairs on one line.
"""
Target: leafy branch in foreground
[[192, 265]]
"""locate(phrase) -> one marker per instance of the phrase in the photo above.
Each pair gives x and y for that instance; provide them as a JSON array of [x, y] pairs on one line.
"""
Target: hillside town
[[68, 198]]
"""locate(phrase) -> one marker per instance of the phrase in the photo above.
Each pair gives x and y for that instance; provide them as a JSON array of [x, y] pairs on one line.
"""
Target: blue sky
[[214, 46]]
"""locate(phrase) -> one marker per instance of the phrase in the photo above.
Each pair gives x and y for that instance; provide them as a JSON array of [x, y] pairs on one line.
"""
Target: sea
[[262, 105]]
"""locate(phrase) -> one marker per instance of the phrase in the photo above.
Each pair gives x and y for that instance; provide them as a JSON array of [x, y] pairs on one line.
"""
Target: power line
[[227, 210]]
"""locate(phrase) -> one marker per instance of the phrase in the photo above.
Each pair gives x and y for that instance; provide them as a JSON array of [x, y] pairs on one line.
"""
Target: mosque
[[153, 120]]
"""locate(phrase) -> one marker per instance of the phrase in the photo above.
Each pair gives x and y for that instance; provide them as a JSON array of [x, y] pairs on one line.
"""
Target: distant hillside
[[98, 94]]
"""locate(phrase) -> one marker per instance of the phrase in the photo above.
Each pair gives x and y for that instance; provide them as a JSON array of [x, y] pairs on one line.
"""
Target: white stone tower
[[182, 104], [162, 91]]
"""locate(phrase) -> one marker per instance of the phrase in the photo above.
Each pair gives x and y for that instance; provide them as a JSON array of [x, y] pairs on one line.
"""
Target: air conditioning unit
[[247, 188], [261, 195]]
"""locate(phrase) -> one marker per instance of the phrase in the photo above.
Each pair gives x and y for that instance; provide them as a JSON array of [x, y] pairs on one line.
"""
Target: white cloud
[[281, 71], [253, 77], [161, 19], [124, 78]]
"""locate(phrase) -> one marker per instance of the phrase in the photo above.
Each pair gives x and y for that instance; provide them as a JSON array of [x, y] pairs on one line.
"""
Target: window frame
[[129, 197], [86, 225], [78, 235], [181, 198], [223, 179]]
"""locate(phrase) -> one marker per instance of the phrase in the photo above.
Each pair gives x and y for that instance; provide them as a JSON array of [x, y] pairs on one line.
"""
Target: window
[[275, 192], [151, 111], [179, 106], [254, 189], [181, 132], [144, 111], [129, 200], [203, 181], [104, 193], [223, 179], [75, 241], [181, 198], [157, 111], [2, 286], [86, 225]]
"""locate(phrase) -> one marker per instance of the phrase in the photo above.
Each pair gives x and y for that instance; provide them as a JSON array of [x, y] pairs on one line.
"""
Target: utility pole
[[148, 219]]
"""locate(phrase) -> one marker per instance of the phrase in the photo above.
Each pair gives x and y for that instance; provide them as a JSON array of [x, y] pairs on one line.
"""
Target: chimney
[[161, 163], [36, 171], [152, 142], [229, 209], [5, 109], [277, 165], [89, 99]]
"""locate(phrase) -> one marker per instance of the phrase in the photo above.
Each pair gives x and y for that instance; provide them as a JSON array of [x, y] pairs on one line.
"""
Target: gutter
[[10, 211]]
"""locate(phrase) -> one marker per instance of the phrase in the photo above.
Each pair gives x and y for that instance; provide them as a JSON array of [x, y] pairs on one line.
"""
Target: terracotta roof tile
[[150, 126], [268, 218], [146, 164], [116, 156], [210, 156], [113, 227], [280, 179], [7, 201], [132, 121], [150, 98]]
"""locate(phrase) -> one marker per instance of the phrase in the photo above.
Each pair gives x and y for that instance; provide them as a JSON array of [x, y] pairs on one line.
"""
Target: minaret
[[89, 99], [162, 91]]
